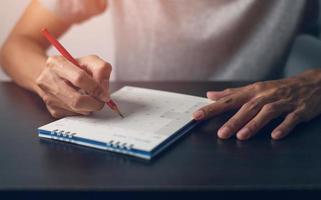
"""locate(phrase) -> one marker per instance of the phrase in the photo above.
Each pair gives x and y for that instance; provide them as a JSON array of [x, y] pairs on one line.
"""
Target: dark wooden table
[[197, 162]]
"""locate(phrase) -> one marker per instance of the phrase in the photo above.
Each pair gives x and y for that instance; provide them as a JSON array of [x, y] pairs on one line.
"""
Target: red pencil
[[112, 105]]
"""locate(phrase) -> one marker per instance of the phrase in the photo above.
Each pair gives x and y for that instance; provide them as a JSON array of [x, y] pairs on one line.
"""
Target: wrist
[[312, 76], [36, 71], [315, 76]]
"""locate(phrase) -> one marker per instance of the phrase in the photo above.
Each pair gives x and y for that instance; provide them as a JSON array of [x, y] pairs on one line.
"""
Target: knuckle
[[104, 66], [75, 102], [55, 92], [53, 60], [55, 114], [253, 127], [47, 100], [296, 117], [98, 63], [258, 86], [228, 90], [276, 91], [251, 105], [43, 78], [271, 108], [40, 80], [79, 77], [96, 91], [50, 61], [233, 124], [206, 110], [46, 88], [226, 100]]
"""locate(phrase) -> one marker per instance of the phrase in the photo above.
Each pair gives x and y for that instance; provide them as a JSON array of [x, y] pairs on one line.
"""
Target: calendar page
[[151, 116]]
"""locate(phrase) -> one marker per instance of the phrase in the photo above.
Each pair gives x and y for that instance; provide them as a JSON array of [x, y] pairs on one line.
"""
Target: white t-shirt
[[197, 39]]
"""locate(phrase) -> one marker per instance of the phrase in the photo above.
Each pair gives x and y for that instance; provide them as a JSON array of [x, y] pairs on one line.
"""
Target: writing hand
[[297, 98], [68, 90]]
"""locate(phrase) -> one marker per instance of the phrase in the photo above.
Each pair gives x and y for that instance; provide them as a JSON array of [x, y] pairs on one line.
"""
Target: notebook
[[153, 120]]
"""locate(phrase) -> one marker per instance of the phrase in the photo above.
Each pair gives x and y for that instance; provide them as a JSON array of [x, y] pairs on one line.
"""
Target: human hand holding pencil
[[73, 87]]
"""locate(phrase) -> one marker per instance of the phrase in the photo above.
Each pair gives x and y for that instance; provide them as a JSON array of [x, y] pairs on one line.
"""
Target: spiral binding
[[68, 136], [62, 135], [119, 145]]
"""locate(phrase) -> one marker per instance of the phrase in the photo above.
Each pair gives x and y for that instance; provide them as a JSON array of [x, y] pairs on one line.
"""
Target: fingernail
[[243, 134], [198, 115], [276, 134], [224, 132]]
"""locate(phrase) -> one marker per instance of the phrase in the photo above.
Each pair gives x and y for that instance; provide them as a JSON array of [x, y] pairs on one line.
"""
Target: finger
[[101, 5], [289, 123], [76, 101], [99, 69], [57, 112], [77, 77], [52, 101], [243, 116], [216, 95], [222, 105], [268, 112]]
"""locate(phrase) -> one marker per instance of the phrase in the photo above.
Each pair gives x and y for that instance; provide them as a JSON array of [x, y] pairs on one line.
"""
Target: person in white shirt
[[173, 40]]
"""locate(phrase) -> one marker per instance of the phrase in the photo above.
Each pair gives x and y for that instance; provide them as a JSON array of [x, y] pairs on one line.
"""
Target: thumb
[[99, 69], [216, 95], [105, 86]]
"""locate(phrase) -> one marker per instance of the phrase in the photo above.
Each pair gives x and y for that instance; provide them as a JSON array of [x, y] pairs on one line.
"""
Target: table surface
[[198, 161]]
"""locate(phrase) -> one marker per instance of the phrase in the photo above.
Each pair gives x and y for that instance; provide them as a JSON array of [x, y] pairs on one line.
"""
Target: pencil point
[[122, 116], [119, 113]]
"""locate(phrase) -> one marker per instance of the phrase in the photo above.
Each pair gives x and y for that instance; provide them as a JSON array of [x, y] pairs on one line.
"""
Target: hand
[[69, 90], [297, 98]]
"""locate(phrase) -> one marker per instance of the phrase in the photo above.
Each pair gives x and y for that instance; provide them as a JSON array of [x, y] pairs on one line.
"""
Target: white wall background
[[91, 37]]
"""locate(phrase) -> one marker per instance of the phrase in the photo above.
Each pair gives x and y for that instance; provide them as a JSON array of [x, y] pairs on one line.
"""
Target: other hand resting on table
[[297, 98]]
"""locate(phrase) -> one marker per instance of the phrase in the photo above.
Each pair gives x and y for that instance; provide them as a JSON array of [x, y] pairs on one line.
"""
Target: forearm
[[23, 55], [23, 59]]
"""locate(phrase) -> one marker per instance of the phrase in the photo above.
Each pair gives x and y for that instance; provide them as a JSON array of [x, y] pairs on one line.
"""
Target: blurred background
[[80, 40]]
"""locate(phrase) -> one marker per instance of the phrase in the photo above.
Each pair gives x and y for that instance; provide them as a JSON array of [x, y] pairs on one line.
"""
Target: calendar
[[151, 117]]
